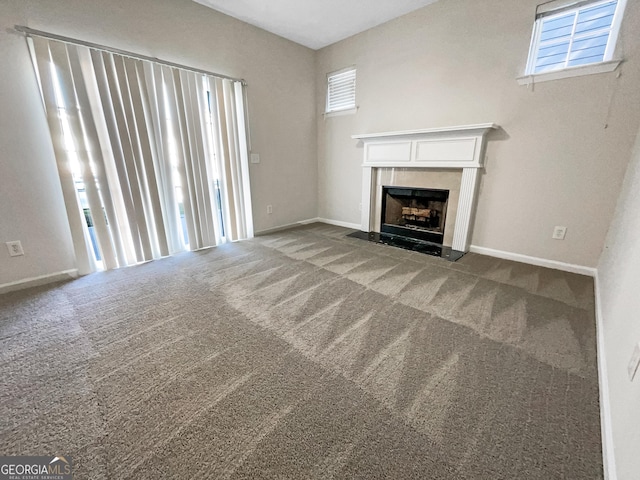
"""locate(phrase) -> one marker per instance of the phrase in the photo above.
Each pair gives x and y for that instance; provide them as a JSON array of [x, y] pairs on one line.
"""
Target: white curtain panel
[[156, 155]]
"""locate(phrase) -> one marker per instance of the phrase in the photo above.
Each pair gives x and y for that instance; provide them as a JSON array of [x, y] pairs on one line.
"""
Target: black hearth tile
[[429, 248]]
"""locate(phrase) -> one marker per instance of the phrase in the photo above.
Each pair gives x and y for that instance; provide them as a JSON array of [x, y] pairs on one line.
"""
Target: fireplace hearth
[[406, 243], [417, 213]]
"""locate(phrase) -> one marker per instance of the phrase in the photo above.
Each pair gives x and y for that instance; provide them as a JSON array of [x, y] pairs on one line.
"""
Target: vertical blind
[[152, 159]]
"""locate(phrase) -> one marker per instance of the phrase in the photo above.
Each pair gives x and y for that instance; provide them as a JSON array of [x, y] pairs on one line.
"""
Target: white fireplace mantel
[[460, 147]]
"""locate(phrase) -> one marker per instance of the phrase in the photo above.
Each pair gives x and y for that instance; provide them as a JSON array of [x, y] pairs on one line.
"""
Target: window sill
[[349, 111], [602, 67]]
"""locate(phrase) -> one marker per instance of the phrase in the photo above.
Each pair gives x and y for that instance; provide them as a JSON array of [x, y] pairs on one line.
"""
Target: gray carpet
[[306, 354]]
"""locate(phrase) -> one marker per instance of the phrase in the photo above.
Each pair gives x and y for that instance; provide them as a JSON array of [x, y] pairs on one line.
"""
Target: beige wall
[[619, 279], [454, 63], [31, 205], [280, 74]]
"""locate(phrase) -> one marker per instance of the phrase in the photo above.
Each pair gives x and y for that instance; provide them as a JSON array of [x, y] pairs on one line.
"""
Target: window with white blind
[[574, 33], [341, 91]]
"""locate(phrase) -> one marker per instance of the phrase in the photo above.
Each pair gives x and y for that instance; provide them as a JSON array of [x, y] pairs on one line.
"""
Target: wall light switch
[[632, 368], [255, 158], [15, 248]]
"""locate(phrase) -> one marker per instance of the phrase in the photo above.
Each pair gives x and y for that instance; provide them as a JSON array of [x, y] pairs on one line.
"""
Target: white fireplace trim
[[436, 148]]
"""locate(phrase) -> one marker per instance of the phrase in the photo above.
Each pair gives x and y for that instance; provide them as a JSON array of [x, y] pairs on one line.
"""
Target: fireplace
[[429, 150], [414, 212]]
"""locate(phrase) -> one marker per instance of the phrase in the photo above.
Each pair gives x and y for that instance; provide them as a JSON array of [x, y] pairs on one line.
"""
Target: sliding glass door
[[153, 159]]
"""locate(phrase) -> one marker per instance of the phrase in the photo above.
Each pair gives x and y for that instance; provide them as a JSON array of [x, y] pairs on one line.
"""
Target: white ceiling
[[315, 23]]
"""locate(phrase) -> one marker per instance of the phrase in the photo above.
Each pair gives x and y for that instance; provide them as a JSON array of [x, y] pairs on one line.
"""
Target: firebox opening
[[414, 212]]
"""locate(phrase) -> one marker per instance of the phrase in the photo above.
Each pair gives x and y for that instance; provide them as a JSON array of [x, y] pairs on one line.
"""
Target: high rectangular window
[[341, 90], [570, 34]]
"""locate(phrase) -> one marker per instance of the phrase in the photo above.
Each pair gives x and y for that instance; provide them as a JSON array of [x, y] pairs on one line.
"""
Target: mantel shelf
[[481, 128]]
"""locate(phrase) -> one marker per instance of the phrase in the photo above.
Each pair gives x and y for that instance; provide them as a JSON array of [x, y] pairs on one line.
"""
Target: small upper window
[[573, 33], [341, 90]]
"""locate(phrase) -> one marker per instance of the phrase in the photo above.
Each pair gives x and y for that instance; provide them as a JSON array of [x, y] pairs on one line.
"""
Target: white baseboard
[[608, 457], [339, 223], [311, 220], [286, 227], [37, 281], [540, 262]]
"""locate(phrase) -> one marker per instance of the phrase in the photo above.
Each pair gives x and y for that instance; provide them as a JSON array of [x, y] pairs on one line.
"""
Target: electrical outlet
[[15, 248], [255, 158], [559, 233], [269, 209]]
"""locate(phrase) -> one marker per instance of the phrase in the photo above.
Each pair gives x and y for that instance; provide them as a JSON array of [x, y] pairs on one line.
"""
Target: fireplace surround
[[459, 148]]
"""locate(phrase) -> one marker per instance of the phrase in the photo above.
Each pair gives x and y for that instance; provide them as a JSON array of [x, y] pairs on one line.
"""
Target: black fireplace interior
[[418, 213], [413, 219]]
